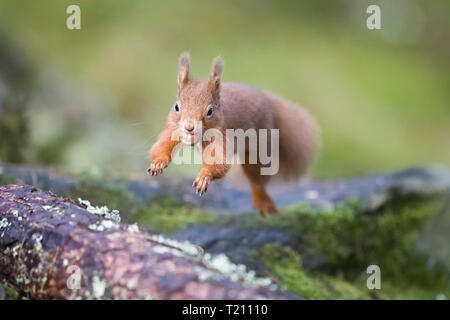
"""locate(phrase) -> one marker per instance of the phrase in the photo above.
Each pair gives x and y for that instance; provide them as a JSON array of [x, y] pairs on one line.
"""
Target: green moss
[[349, 241], [7, 180], [10, 292], [166, 215], [162, 215], [286, 266], [114, 196]]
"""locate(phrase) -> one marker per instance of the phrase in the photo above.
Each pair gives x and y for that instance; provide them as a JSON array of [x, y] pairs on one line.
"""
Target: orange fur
[[237, 106]]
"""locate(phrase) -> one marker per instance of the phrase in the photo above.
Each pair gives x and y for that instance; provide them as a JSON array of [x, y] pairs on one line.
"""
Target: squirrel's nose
[[189, 127]]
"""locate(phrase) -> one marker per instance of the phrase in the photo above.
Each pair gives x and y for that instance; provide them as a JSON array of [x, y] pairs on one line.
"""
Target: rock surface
[[43, 236], [371, 192], [329, 224]]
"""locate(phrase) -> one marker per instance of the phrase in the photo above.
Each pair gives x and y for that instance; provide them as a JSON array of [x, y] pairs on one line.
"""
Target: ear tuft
[[183, 69], [217, 67], [216, 73]]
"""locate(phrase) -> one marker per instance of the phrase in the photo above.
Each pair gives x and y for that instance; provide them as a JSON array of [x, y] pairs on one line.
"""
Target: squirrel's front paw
[[202, 182], [157, 167]]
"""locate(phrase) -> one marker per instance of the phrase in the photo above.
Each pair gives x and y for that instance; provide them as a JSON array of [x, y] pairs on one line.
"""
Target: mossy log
[[48, 243]]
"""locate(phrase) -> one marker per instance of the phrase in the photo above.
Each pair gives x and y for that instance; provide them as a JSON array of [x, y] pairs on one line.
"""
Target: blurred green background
[[93, 100]]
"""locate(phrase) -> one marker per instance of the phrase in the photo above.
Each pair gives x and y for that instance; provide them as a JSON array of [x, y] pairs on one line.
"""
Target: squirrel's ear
[[183, 69], [216, 73]]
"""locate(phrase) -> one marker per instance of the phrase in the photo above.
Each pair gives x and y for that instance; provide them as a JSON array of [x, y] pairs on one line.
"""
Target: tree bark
[[55, 248]]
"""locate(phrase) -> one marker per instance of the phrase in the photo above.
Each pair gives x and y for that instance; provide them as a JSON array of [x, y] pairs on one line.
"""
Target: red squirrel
[[206, 104]]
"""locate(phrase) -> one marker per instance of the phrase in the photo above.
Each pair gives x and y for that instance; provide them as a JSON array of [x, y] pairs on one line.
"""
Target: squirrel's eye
[[210, 111], [177, 108]]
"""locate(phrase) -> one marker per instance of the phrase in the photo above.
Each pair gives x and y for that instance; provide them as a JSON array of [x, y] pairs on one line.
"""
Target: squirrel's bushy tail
[[299, 138]]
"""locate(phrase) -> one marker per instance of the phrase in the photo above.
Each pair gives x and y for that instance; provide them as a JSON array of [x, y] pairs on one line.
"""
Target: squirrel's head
[[197, 106]]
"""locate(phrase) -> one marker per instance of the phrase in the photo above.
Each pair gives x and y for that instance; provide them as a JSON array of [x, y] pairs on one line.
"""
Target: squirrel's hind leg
[[260, 199]]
